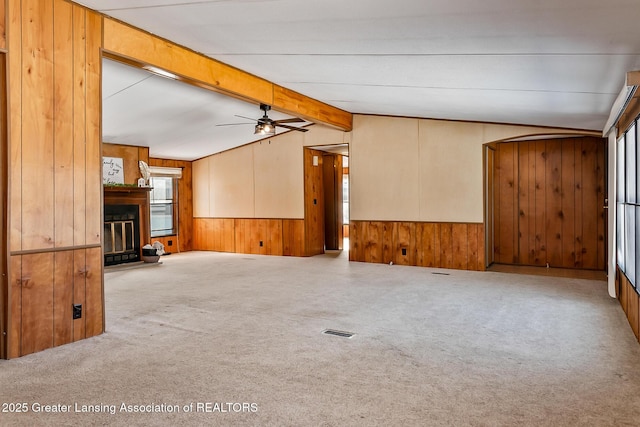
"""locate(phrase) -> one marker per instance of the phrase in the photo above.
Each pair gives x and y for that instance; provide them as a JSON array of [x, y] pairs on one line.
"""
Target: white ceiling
[[538, 62]]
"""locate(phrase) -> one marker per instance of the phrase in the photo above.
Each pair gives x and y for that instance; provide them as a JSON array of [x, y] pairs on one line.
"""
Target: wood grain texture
[[79, 126], [79, 291], [63, 124], [4, 287], [184, 236], [293, 237], [559, 200], [37, 302], [629, 301], [94, 306], [63, 298], [130, 155], [3, 22], [138, 47], [313, 204], [14, 316], [37, 132], [439, 245], [15, 128], [93, 182]]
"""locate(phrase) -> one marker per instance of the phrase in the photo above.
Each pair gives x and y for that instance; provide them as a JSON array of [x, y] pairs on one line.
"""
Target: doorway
[[325, 196], [548, 203]]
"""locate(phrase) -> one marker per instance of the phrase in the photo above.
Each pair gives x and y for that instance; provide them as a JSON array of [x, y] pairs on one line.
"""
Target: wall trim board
[[425, 244], [58, 249]]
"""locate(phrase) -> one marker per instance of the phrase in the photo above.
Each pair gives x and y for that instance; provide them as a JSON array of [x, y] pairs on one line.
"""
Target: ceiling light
[[264, 129]]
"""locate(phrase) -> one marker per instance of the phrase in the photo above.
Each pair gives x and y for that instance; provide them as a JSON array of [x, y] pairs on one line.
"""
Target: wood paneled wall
[[244, 235], [549, 200], [426, 244], [629, 300], [313, 203], [3, 197], [182, 241], [55, 174], [131, 155]]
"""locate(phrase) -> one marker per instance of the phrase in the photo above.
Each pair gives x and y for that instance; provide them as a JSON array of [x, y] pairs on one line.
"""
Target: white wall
[[264, 179], [406, 169]]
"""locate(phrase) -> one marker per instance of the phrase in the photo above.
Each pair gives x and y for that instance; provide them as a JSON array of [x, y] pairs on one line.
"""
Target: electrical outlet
[[261, 244], [170, 243], [404, 251], [77, 311], [315, 201]]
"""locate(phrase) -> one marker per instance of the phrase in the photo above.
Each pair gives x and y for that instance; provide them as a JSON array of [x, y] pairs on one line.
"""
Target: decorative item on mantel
[[145, 172]]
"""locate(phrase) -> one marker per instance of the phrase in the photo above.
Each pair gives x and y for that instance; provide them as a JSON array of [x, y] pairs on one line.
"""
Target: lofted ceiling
[[537, 62]]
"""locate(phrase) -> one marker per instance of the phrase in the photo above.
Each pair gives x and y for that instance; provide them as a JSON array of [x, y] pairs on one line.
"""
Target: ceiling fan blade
[[292, 128], [244, 117], [292, 120], [234, 124]]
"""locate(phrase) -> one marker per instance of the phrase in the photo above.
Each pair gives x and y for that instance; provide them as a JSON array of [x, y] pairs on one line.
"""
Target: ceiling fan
[[266, 126]]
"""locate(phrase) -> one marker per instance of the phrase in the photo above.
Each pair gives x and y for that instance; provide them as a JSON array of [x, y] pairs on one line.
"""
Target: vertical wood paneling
[[632, 310], [355, 241], [37, 134], [94, 308], [540, 199], [460, 238], [55, 167], [425, 241], [481, 261], [63, 124], [526, 201], [506, 212], [373, 242], [445, 245], [79, 291], [589, 203], [313, 204], [37, 302], [474, 246], [568, 204], [293, 237], [601, 257], [79, 126], [388, 242], [553, 202], [560, 196], [183, 239], [274, 237], [15, 307], [15, 124], [3, 21], [94, 137], [63, 298]]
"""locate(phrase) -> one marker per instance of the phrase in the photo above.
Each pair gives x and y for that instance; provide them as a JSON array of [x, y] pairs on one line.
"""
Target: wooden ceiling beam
[[130, 45]]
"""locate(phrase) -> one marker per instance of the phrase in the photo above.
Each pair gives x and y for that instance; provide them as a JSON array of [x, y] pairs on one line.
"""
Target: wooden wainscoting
[[629, 300], [44, 287], [250, 236], [426, 244]]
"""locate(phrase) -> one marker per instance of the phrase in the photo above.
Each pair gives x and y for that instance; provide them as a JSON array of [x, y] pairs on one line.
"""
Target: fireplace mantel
[[133, 196]]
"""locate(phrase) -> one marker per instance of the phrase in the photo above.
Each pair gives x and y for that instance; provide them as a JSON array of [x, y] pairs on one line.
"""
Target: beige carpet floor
[[239, 337]]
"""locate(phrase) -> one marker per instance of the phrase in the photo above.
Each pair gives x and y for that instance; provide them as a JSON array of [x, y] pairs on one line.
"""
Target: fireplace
[[126, 223], [121, 234]]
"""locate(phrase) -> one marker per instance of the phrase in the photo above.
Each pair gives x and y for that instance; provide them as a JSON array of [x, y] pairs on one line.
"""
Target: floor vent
[[441, 274], [338, 333]]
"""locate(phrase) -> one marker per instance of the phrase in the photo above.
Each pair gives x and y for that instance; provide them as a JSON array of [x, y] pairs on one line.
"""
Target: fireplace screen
[[121, 236]]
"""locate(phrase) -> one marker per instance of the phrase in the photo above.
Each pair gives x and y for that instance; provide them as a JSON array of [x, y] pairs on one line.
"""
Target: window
[[628, 204], [162, 206]]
